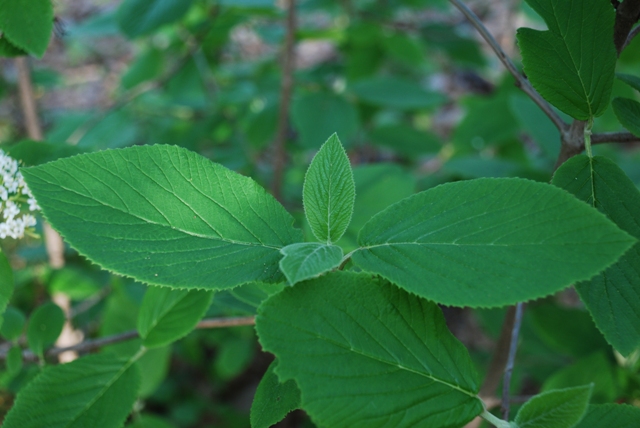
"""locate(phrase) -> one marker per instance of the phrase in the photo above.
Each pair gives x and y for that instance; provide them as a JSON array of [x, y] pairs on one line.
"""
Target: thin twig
[[632, 35], [614, 137], [286, 87], [500, 355], [521, 81], [506, 384], [94, 344]]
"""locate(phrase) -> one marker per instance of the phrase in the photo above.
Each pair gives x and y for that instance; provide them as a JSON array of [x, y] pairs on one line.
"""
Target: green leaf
[[613, 296], [631, 80], [320, 114], [13, 323], [75, 283], [560, 408], [393, 92], [365, 353], [150, 421], [99, 392], [7, 49], [628, 113], [27, 24], [595, 369], [14, 360], [147, 66], [611, 415], [308, 260], [406, 140], [6, 284], [572, 64], [167, 315], [166, 216], [484, 242], [30, 152], [273, 399], [536, 123], [139, 17], [45, 325], [329, 192]]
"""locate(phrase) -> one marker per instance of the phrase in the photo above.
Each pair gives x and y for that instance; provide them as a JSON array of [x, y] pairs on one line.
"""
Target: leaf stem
[[587, 137], [499, 423]]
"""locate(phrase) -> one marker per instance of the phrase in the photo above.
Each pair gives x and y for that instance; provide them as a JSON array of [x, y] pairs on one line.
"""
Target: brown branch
[[27, 99], [286, 87], [614, 137], [521, 81], [513, 347], [94, 344], [627, 14], [500, 356]]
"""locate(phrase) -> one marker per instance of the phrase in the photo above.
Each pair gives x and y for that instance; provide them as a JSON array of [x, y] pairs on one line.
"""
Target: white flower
[[14, 197]]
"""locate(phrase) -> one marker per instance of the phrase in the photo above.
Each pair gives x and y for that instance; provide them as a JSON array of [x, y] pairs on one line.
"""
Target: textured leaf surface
[[166, 315], [6, 284], [489, 242], [572, 64], [166, 216], [329, 192], [27, 24], [613, 296], [45, 325], [560, 408], [139, 17], [611, 415], [309, 260], [631, 80], [365, 353], [99, 392], [273, 399], [628, 113]]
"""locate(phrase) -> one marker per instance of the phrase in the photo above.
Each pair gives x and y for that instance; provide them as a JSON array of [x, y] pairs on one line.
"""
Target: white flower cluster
[[14, 194]]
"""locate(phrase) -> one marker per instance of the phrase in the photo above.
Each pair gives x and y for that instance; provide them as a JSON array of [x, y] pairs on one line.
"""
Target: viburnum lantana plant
[[16, 201]]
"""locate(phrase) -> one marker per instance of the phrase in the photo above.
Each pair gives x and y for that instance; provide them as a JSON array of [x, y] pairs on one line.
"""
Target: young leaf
[[97, 391], [489, 242], [273, 399], [45, 325], [611, 415], [13, 323], [560, 408], [572, 64], [631, 80], [308, 260], [365, 353], [329, 192], [140, 17], [6, 284], [165, 216], [166, 315], [628, 113], [613, 296], [27, 24]]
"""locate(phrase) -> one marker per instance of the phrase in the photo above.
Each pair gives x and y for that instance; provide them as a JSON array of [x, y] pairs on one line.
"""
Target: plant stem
[[587, 138], [506, 384], [499, 423]]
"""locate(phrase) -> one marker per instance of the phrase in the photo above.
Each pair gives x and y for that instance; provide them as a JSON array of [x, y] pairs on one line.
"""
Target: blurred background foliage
[[414, 96]]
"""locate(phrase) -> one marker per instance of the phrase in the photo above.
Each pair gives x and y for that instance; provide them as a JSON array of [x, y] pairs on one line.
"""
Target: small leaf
[[628, 113], [489, 242], [167, 315], [308, 260], [572, 64], [99, 392], [27, 24], [139, 17], [45, 325], [365, 353], [273, 399], [6, 284], [329, 192], [631, 80], [13, 323], [611, 415], [560, 408], [7, 49], [612, 296], [165, 216]]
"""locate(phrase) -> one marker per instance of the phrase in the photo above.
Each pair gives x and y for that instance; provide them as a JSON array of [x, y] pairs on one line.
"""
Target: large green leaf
[[560, 408], [611, 415], [329, 192], [273, 400], [613, 296], [139, 17], [166, 216], [97, 391], [572, 64], [27, 24], [365, 353], [166, 315], [489, 242], [6, 284], [45, 325], [628, 113], [308, 260]]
